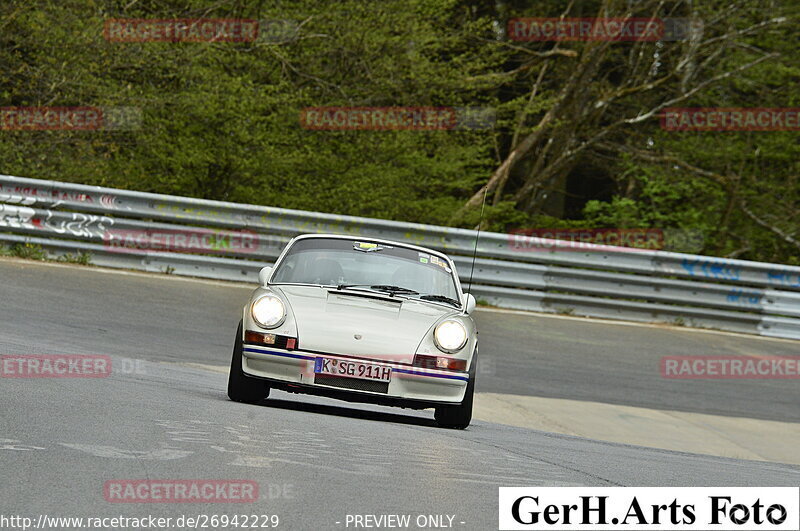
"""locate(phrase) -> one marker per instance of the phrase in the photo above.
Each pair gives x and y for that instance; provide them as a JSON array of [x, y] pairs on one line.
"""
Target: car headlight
[[450, 336], [269, 311]]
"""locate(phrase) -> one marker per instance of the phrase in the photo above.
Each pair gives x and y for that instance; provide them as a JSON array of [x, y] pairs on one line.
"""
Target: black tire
[[459, 416], [243, 388]]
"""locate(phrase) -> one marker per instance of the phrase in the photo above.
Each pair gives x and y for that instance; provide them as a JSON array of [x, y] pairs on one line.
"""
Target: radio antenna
[[477, 237]]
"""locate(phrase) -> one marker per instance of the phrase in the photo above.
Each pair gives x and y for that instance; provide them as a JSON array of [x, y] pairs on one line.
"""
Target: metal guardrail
[[596, 281]]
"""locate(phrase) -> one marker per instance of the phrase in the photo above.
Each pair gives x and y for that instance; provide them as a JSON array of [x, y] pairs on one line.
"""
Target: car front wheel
[[241, 387], [459, 416]]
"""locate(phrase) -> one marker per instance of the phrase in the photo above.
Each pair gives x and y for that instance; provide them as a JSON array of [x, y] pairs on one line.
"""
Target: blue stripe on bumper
[[273, 353], [414, 371], [449, 377]]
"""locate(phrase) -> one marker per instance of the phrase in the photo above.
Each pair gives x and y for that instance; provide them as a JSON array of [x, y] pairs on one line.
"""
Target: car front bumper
[[408, 385]]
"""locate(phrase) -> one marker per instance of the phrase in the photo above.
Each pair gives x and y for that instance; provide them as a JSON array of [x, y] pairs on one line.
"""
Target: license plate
[[352, 369]]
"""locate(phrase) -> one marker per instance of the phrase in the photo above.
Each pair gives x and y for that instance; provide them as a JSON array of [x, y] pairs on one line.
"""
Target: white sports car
[[363, 320]]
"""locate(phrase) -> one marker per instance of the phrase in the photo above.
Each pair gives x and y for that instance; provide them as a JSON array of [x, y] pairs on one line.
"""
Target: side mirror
[[263, 275], [471, 302]]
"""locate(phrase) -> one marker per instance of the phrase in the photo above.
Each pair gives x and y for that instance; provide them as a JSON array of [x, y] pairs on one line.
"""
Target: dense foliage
[[577, 139]]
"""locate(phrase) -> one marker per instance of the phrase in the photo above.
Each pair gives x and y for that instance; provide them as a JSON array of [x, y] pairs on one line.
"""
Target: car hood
[[330, 321]]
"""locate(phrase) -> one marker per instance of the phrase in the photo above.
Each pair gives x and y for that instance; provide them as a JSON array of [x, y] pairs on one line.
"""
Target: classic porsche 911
[[362, 320]]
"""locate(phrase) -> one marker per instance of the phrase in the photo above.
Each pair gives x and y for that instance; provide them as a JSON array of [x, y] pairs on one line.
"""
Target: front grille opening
[[356, 384]]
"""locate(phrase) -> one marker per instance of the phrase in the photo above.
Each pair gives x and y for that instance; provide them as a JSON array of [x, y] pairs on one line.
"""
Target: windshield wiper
[[380, 287], [441, 298]]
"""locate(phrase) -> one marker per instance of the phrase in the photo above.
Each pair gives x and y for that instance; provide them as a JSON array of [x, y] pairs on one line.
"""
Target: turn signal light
[[258, 337], [451, 364], [440, 362]]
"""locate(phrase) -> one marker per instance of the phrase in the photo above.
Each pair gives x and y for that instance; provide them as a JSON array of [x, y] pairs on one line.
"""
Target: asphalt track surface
[[318, 460]]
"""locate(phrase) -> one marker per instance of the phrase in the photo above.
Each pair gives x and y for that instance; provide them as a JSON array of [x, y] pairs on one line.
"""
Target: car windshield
[[339, 262]]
